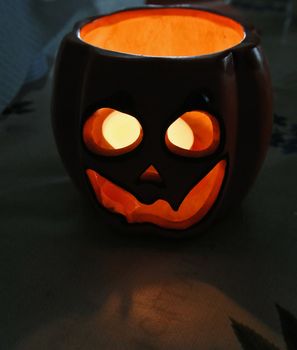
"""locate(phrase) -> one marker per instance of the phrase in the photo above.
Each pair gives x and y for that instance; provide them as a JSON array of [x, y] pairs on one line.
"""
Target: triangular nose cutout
[[151, 175]]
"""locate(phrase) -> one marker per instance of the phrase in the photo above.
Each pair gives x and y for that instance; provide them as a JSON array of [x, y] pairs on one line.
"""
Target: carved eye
[[110, 132], [194, 134]]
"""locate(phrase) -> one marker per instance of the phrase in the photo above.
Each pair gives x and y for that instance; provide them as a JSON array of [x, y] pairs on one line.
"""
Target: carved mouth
[[193, 208]]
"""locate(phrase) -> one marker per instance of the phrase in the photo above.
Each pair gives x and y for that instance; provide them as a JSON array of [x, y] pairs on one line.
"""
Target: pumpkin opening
[[194, 134], [164, 32], [151, 174], [110, 132], [193, 208]]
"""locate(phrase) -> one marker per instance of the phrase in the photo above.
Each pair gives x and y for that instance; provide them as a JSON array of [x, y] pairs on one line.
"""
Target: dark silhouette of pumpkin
[[162, 115]]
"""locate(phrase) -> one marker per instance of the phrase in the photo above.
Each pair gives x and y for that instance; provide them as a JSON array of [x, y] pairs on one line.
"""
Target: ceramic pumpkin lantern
[[162, 115]]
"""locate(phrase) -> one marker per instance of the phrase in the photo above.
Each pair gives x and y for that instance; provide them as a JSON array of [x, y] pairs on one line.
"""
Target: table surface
[[67, 282]]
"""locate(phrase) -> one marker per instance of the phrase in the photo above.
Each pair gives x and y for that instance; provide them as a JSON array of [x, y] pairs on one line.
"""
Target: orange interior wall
[[164, 32]]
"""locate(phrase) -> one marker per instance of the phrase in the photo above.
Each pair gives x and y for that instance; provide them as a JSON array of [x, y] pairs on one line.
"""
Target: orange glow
[[110, 132], [194, 134], [193, 208], [180, 134], [164, 32], [151, 174]]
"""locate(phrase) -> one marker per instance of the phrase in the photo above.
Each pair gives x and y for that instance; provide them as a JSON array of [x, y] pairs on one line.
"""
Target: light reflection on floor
[[180, 315]]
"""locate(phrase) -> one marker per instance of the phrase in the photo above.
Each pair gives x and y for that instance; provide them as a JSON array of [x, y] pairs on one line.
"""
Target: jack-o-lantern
[[162, 115]]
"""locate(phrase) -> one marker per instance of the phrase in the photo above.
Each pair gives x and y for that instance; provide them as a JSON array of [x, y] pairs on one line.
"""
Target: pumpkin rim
[[251, 37]]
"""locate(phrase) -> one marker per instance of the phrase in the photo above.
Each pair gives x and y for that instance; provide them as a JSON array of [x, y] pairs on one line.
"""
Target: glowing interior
[[194, 134], [193, 208], [180, 134], [151, 174], [164, 32], [110, 132], [120, 130]]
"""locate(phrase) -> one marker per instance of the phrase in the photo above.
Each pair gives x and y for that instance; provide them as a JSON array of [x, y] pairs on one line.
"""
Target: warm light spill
[[164, 32], [180, 134], [193, 208], [120, 130], [193, 134], [110, 132]]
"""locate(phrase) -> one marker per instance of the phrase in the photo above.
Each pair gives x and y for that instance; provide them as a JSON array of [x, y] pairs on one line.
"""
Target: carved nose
[[151, 175]]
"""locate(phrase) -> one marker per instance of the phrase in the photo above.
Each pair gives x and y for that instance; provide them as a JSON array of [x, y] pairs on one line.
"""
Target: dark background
[[68, 282]]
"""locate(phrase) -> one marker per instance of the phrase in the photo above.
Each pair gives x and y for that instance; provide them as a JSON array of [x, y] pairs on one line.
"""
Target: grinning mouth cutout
[[193, 208]]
